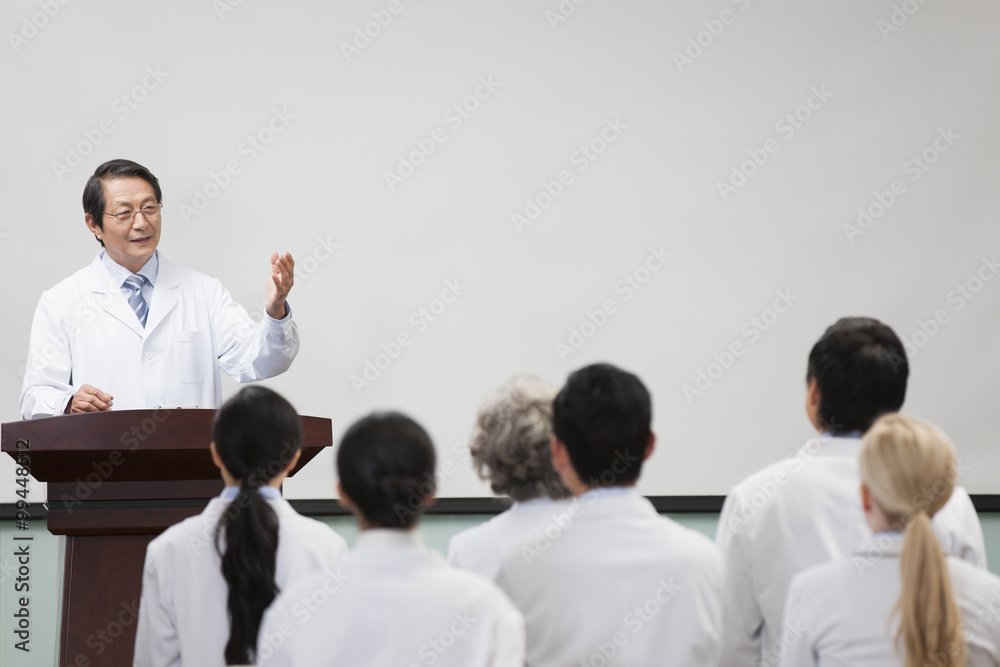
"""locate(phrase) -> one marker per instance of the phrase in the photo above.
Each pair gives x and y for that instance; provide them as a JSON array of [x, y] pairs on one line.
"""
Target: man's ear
[[216, 459], [558, 453], [650, 446], [344, 500], [92, 225]]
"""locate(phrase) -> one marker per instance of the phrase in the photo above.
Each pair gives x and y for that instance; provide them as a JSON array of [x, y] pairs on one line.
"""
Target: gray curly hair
[[510, 443]]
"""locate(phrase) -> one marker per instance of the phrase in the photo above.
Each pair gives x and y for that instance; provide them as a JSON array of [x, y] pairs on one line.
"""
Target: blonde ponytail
[[909, 467]]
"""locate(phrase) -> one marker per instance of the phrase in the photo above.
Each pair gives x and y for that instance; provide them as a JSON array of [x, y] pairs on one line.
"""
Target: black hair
[[861, 370], [386, 467], [257, 434], [603, 417], [93, 192]]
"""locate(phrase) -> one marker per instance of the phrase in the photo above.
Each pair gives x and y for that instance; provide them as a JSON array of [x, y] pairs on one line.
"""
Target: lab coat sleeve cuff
[[279, 326]]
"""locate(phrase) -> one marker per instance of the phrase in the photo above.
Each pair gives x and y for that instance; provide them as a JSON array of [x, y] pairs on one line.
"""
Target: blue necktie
[[138, 304]]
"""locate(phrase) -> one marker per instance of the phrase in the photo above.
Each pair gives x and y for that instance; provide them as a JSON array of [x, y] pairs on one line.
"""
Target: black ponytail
[[386, 466], [256, 434]]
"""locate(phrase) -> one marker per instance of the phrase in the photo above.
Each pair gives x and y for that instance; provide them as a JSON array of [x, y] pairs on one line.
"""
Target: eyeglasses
[[150, 212]]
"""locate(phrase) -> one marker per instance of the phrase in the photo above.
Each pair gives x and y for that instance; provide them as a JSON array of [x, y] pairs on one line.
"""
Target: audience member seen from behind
[[616, 583], [898, 599], [510, 448], [207, 580], [393, 601], [804, 511]]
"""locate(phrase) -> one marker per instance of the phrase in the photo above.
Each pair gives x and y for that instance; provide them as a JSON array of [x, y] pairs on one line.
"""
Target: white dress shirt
[[797, 513], [183, 615], [617, 585], [392, 603], [840, 614], [85, 332], [478, 549]]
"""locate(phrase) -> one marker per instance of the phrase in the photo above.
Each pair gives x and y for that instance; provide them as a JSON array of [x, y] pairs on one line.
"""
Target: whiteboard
[[474, 189]]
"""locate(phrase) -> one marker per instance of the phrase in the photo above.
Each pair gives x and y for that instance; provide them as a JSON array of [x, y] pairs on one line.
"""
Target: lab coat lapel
[[166, 294], [109, 296]]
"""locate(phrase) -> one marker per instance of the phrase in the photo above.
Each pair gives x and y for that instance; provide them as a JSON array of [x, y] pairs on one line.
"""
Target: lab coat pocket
[[190, 351]]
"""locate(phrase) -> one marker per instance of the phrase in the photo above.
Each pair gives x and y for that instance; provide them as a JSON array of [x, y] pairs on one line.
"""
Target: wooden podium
[[115, 480]]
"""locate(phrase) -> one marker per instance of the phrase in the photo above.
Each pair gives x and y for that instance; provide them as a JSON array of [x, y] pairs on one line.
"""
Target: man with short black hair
[[612, 582], [134, 330], [804, 510]]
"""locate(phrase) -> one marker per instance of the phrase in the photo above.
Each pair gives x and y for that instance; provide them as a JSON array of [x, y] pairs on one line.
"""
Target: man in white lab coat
[[805, 510], [612, 582], [134, 330]]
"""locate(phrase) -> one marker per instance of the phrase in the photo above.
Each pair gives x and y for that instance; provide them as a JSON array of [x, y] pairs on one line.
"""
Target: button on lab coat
[[617, 585], [797, 513], [392, 602], [183, 615], [838, 614], [84, 332]]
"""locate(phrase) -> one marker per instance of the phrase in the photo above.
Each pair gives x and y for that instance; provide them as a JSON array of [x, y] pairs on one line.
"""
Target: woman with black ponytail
[[208, 580], [392, 601]]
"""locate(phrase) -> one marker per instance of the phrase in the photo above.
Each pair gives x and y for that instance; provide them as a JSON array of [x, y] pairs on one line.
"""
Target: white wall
[[887, 95]]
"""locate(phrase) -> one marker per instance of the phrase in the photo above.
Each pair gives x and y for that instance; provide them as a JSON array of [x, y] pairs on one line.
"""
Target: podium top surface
[[139, 445]]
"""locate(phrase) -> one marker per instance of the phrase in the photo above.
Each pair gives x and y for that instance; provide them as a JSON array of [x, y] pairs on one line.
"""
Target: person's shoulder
[[70, 285], [970, 577], [183, 272], [311, 530], [688, 544]]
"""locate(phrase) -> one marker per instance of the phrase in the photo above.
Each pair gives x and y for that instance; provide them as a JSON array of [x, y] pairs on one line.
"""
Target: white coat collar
[[165, 296], [886, 543], [830, 445], [389, 539], [615, 502]]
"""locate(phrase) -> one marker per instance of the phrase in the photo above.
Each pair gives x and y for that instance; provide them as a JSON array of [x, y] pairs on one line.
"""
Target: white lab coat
[[478, 549], [617, 584], [84, 332], [183, 614], [797, 513], [838, 614], [392, 602]]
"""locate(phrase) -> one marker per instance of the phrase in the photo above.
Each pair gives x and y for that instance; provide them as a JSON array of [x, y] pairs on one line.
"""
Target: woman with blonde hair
[[898, 600]]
